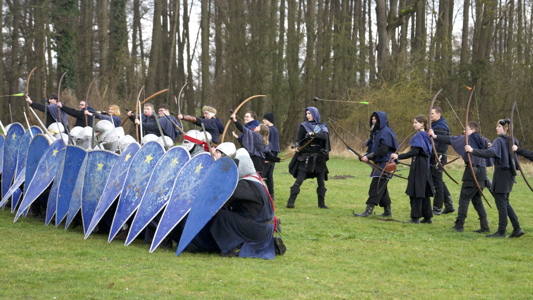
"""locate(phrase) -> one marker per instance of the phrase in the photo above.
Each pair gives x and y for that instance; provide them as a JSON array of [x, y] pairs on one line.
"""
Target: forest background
[[394, 53]]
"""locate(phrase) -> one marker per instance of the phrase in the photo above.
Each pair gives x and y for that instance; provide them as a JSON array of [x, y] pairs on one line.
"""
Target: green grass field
[[330, 254]]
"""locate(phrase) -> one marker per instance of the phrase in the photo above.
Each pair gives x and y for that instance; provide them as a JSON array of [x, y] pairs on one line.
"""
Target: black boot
[[448, 206], [496, 235], [517, 232], [321, 192], [368, 211], [484, 224], [413, 221], [295, 190], [386, 212], [459, 225], [426, 220]]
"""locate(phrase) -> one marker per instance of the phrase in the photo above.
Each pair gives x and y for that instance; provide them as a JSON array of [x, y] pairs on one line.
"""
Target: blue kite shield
[[114, 184], [20, 171], [38, 147], [183, 193], [52, 196], [67, 172], [158, 191], [217, 187], [2, 142], [75, 199], [11, 146], [74, 158], [45, 173], [141, 168], [99, 165]]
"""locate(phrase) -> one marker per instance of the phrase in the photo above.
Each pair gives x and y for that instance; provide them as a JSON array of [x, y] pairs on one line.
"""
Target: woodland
[[395, 54]]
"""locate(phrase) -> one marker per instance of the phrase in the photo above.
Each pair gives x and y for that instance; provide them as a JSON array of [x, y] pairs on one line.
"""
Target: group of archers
[[244, 227]]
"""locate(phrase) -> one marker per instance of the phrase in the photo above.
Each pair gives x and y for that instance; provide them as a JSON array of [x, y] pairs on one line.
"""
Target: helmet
[[75, 131], [149, 138], [194, 137], [56, 127], [125, 142], [168, 141], [228, 149]]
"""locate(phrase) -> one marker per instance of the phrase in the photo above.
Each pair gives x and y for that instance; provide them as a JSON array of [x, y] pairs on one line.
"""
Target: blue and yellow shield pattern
[[99, 165], [44, 175], [139, 174], [114, 184], [221, 178], [158, 190], [185, 188], [75, 197], [13, 139]]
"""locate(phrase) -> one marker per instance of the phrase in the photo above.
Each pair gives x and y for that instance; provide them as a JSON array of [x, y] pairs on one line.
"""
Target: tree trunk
[[102, 19], [155, 50]]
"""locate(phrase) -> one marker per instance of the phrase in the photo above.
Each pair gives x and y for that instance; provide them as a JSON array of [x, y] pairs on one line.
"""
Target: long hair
[[264, 131], [116, 109], [422, 119]]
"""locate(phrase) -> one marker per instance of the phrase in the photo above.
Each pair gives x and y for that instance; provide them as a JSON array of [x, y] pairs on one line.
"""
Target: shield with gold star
[[36, 150], [136, 182], [182, 195], [43, 177], [67, 173], [158, 190], [13, 139], [20, 170], [114, 184], [99, 165], [220, 183]]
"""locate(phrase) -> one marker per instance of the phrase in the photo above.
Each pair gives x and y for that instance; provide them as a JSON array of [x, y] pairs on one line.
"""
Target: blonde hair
[[264, 131], [116, 109]]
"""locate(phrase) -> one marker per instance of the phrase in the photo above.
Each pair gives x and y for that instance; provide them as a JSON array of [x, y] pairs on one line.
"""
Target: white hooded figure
[[55, 129], [245, 164], [84, 137], [109, 135], [194, 141], [75, 131]]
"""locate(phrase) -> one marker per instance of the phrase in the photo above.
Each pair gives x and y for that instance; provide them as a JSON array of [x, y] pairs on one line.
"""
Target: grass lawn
[[330, 254]]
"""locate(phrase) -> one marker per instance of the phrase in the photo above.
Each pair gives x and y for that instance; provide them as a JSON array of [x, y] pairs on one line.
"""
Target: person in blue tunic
[[419, 183], [442, 195], [469, 190], [381, 144], [254, 140], [53, 113], [79, 115], [112, 115], [166, 121], [147, 117], [312, 148], [212, 124], [244, 227], [503, 178], [270, 162]]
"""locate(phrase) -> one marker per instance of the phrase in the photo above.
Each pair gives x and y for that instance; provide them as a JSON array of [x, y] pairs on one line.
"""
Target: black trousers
[[421, 207], [441, 190], [380, 197], [302, 175], [505, 210], [268, 172], [470, 193]]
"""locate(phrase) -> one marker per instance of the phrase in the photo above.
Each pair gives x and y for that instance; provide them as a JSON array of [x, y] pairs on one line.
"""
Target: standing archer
[[381, 144], [419, 184], [312, 152], [442, 195]]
